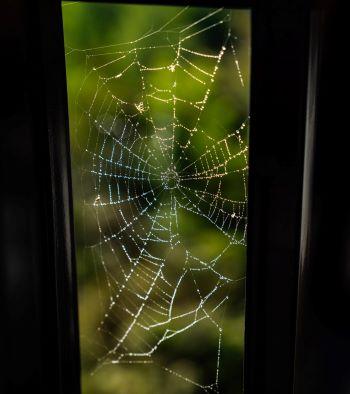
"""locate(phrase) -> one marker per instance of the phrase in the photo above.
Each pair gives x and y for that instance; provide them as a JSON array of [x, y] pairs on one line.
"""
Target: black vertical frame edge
[[323, 343], [280, 42], [316, 22], [55, 93]]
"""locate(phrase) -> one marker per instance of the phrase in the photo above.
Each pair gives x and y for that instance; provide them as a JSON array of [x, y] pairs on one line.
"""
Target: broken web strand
[[146, 210]]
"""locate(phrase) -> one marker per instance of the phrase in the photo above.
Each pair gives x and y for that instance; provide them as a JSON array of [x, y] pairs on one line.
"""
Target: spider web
[[152, 160]]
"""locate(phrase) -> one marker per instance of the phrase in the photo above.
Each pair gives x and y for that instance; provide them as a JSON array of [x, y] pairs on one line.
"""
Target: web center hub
[[170, 179]]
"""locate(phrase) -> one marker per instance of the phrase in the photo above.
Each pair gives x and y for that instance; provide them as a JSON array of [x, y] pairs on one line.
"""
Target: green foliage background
[[96, 25]]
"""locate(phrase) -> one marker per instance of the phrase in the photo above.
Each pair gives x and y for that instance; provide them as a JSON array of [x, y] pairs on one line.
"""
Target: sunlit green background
[[88, 29]]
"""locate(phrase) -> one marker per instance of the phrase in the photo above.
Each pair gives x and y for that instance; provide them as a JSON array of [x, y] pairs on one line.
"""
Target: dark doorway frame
[[39, 280]]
